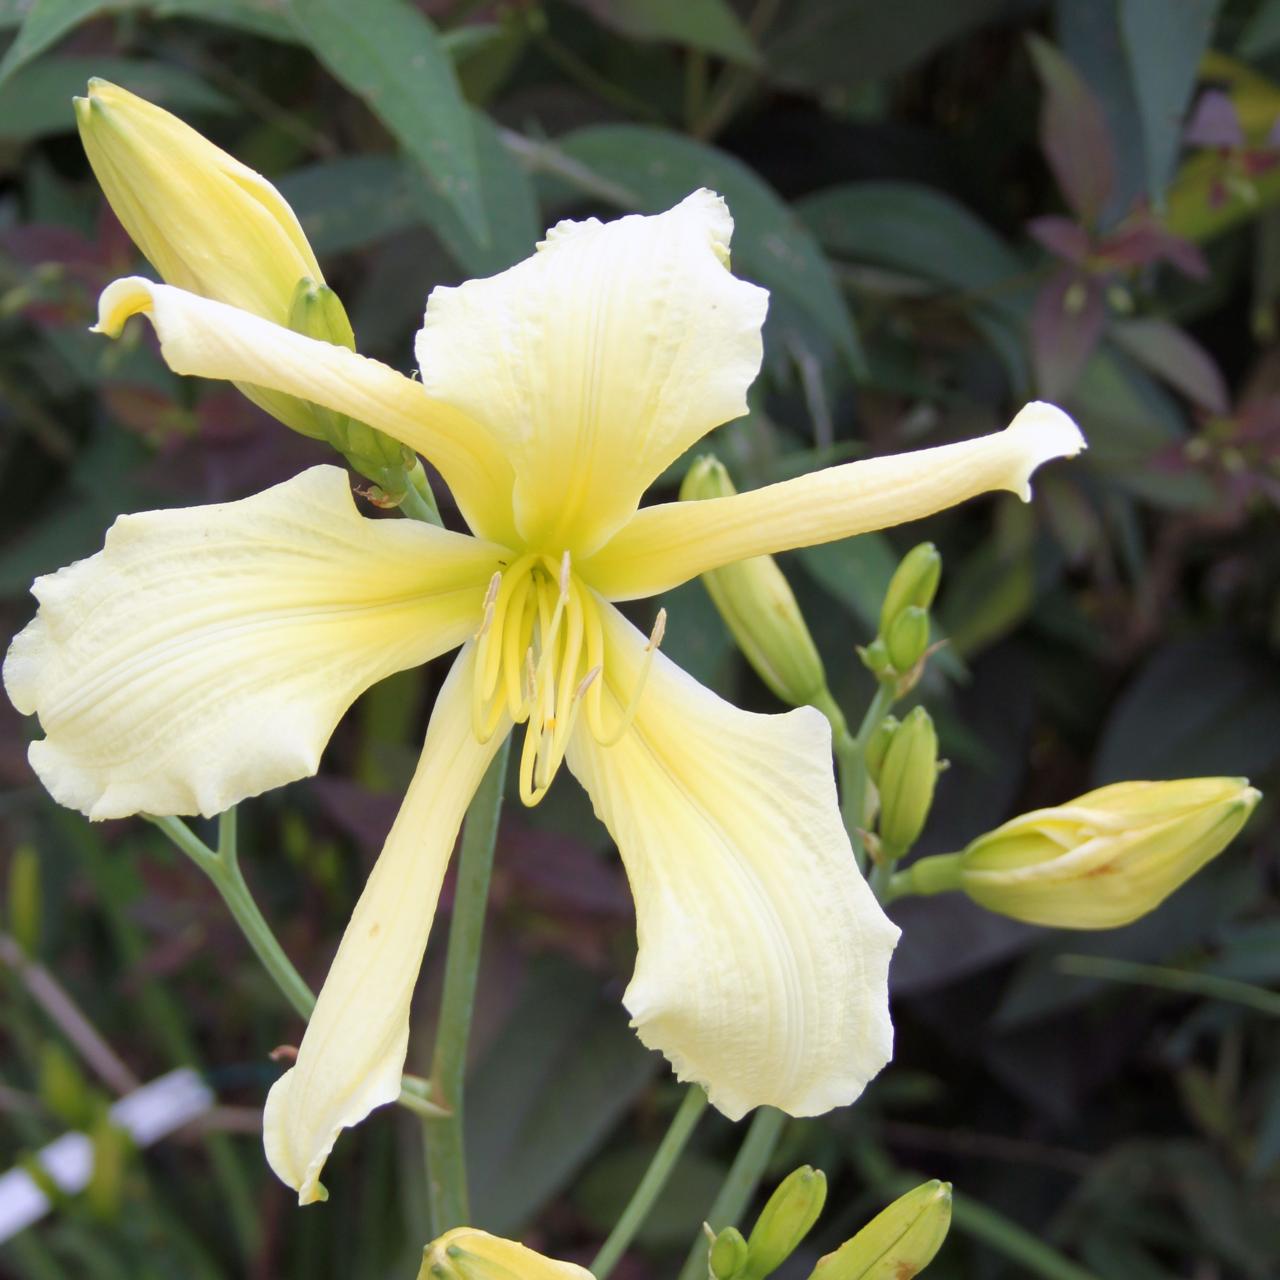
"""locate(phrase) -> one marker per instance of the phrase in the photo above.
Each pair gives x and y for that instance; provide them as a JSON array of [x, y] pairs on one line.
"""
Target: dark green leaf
[[770, 245], [1164, 43], [36, 101], [389, 55], [260, 17], [45, 23], [711, 25], [1173, 355], [350, 202], [1262, 35]]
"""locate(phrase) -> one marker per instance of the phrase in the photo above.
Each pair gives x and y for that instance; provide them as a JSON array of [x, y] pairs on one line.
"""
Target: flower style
[[205, 655]]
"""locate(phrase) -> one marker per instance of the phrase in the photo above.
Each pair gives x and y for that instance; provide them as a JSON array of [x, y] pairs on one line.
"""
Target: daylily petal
[[352, 1055], [668, 544], [205, 655], [210, 339], [599, 360], [764, 957]]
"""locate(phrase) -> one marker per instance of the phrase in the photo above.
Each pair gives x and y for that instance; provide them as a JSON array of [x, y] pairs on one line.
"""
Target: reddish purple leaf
[[1177, 358], [1061, 236], [1066, 323], [1073, 133], [1142, 241], [1214, 122]]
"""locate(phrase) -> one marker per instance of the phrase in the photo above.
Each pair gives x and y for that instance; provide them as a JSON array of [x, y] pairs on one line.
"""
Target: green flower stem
[[223, 868], [1017, 1244], [851, 762], [739, 1186], [650, 1186], [419, 503], [447, 1190], [1184, 981], [924, 877]]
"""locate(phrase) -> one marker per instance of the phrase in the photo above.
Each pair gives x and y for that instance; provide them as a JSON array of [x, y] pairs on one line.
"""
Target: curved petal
[[205, 655], [668, 544], [466, 1253], [210, 339], [599, 360], [353, 1052], [764, 957]]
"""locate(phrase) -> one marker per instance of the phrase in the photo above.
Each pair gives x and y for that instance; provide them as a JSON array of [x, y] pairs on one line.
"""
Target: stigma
[[540, 659]]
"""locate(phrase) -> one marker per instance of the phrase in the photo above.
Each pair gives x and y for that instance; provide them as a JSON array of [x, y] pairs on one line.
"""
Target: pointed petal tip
[[121, 299]]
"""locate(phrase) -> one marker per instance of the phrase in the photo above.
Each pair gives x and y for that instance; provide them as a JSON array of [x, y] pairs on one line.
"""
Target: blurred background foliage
[[956, 206]]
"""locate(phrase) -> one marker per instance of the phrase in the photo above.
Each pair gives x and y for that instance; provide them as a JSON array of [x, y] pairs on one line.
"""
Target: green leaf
[[259, 17], [36, 101], [1164, 43], [711, 25], [46, 22], [1262, 35], [770, 244], [350, 202], [511, 208], [390, 56], [1176, 357]]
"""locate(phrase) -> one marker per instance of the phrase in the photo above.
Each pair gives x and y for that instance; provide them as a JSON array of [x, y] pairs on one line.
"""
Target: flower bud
[[1107, 857], [728, 1256], [908, 637], [897, 1243], [785, 1220], [206, 222], [875, 657], [907, 779], [877, 747], [468, 1254], [24, 898], [758, 606], [914, 582]]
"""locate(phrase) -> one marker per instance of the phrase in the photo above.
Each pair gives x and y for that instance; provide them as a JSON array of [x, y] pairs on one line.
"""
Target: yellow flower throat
[[540, 660]]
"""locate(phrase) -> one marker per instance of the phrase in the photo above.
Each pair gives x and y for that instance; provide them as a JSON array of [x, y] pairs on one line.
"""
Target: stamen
[[633, 704]]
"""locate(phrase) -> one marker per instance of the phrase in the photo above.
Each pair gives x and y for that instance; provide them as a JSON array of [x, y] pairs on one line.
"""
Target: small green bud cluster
[[901, 646], [902, 760], [759, 608], [782, 1225]]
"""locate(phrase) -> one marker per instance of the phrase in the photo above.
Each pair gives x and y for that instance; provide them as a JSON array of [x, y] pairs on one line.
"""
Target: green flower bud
[[907, 779], [111, 1147], [316, 311], [728, 1255], [899, 1242], [785, 1221], [878, 746], [758, 606], [875, 657], [62, 1086], [24, 898], [908, 637], [468, 1254], [914, 582], [1109, 856]]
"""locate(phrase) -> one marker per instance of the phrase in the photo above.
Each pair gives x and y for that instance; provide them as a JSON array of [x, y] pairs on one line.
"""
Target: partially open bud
[[468, 1254], [914, 583], [206, 222], [1108, 857], [785, 1220], [906, 780], [758, 606], [898, 1242]]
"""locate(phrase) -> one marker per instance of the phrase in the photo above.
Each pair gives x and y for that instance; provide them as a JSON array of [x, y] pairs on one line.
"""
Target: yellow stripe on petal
[[764, 958], [352, 1055], [599, 360], [205, 655], [210, 339], [668, 544]]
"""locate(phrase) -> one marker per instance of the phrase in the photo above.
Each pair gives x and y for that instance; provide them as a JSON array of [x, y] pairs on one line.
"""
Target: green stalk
[[1184, 981], [650, 1186], [740, 1185], [1016, 1243], [447, 1190], [852, 765]]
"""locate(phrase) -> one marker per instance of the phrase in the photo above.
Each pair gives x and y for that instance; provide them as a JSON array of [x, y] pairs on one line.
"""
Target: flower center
[[540, 659]]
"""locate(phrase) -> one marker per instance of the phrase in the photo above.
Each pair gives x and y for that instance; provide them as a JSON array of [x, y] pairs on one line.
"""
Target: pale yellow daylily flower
[[468, 1254], [204, 655]]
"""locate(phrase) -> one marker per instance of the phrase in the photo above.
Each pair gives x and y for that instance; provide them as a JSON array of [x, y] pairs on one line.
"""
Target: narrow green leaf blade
[[390, 56]]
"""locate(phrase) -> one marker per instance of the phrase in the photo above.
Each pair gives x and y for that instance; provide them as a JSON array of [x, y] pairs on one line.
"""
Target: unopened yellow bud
[[468, 1254], [1108, 857], [908, 637], [907, 779], [758, 606], [785, 1220], [728, 1257], [914, 582], [897, 1243], [206, 222]]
